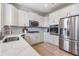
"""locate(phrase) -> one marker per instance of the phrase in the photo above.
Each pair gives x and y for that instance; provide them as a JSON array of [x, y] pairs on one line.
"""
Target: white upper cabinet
[[25, 16], [0, 16], [53, 19], [10, 15], [15, 16], [46, 22]]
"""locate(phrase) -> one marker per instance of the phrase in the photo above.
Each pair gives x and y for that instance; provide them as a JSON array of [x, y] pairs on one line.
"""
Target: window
[[10, 39]]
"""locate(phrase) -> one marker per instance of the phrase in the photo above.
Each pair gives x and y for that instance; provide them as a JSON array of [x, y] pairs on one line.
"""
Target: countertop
[[17, 48]]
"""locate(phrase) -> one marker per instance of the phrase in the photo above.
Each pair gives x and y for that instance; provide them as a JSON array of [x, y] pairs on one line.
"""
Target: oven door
[[54, 30]]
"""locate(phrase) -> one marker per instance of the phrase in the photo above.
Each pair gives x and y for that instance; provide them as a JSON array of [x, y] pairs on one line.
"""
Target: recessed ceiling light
[[45, 5]]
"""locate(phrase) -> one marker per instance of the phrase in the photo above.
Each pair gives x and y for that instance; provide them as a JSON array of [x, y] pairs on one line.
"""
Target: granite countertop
[[17, 48]]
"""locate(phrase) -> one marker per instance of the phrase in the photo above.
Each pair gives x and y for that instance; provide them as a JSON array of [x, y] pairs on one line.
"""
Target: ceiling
[[42, 9]]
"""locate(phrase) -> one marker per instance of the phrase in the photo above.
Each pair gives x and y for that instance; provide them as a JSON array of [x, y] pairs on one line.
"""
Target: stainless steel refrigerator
[[69, 34]]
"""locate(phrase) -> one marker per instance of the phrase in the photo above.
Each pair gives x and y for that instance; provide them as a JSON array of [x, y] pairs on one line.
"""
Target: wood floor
[[46, 49]]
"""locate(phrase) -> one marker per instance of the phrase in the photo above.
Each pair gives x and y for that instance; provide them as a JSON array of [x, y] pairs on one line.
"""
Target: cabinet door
[[39, 38], [35, 38], [23, 18], [32, 38], [56, 40], [46, 37], [28, 39], [10, 14], [53, 39], [0, 15], [15, 16]]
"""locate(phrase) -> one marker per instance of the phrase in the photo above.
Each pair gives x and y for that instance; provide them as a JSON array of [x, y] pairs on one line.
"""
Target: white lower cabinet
[[46, 37], [34, 38], [53, 39]]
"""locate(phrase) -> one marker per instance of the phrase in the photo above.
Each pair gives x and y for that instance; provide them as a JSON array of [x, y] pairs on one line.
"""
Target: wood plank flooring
[[47, 49]]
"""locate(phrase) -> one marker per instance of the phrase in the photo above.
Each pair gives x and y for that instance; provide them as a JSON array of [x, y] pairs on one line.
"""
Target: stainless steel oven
[[53, 29]]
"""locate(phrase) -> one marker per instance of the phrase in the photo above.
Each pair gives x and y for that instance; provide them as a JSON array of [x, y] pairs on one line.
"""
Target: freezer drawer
[[64, 44], [74, 47], [69, 46]]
